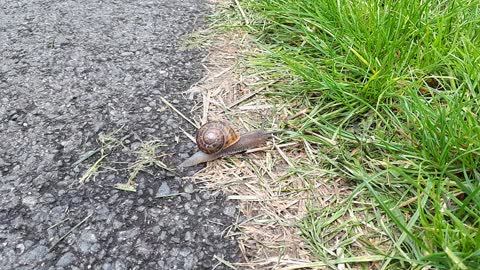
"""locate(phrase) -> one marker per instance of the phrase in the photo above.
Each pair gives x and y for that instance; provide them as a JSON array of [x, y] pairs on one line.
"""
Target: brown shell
[[215, 136]]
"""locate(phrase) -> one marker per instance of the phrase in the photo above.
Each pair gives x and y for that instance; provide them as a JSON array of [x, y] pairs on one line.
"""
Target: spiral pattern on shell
[[215, 136]]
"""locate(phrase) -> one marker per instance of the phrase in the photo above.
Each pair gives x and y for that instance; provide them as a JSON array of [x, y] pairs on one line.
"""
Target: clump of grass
[[396, 84], [147, 158], [108, 142]]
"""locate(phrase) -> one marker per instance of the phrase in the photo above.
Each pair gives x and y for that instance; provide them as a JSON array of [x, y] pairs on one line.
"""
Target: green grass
[[396, 83]]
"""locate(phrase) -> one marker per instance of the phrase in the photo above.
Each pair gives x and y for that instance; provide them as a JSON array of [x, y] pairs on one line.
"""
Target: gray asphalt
[[70, 70]]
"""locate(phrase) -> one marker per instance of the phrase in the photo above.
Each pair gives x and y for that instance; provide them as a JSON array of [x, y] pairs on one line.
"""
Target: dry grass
[[272, 198]]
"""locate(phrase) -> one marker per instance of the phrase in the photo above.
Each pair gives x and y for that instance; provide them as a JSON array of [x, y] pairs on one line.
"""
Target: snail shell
[[215, 136]]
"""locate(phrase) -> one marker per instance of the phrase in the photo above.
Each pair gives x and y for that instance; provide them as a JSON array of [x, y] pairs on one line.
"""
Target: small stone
[[88, 237], [206, 195], [170, 122], [77, 200], [188, 188], [174, 252], [66, 259], [35, 255], [187, 196], [113, 198], [29, 201], [117, 224], [163, 235], [87, 241], [20, 248], [48, 198], [98, 126], [188, 263], [156, 229], [102, 212], [229, 211], [185, 252], [107, 266], [134, 146], [188, 236], [8, 256], [129, 234], [144, 250], [163, 190], [119, 265]]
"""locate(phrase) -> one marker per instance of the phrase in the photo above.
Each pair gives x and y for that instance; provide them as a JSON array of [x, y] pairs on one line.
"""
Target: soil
[[71, 71]]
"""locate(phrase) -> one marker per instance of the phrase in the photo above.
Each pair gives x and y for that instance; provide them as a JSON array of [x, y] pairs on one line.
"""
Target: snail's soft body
[[232, 142]]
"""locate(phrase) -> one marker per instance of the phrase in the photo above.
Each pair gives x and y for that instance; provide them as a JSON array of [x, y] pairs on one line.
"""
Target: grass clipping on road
[[387, 101]]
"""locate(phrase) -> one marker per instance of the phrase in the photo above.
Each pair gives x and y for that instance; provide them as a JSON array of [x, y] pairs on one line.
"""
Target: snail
[[218, 139]]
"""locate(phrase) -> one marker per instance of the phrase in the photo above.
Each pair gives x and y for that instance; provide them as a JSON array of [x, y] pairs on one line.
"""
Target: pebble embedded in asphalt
[[163, 190], [70, 70]]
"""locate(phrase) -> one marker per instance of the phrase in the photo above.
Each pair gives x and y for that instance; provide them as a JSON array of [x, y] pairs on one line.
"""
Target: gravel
[[70, 71], [163, 190]]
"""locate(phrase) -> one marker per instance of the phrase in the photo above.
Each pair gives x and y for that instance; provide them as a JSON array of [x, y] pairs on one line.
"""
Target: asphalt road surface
[[69, 72]]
